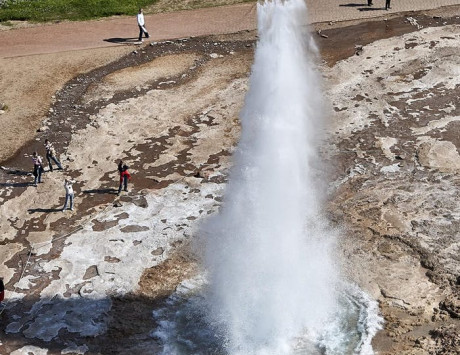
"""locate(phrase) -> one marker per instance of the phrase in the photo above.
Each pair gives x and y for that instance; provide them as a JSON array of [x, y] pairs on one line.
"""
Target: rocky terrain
[[86, 282]]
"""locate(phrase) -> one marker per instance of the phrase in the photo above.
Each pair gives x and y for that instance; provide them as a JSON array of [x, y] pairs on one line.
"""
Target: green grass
[[53, 10]]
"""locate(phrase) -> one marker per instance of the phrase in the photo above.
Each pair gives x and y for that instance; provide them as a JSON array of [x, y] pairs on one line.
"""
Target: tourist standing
[[51, 155], [68, 193], [2, 290], [369, 2], [38, 168], [120, 166], [124, 177], [387, 4], [141, 24]]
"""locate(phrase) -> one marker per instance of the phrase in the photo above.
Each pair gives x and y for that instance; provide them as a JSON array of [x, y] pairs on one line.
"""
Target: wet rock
[[91, 272], [452, 306], [73, 349], [134, 229], [158, 252], [445, 340], [140, 201], [102, 226]]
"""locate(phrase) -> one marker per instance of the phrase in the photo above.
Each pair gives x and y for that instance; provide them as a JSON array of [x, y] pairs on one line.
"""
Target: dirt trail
[[31, 71], [69, 36]]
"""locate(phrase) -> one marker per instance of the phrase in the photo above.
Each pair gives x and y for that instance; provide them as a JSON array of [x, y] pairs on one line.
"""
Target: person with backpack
[[124, 177], [38, 168], [51, 155]]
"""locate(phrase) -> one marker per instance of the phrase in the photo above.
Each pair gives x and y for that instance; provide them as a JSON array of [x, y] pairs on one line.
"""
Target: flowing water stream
[[272, 285]]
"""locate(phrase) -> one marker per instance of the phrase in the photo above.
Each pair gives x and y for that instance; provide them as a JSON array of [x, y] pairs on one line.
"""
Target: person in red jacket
[[124, 177]]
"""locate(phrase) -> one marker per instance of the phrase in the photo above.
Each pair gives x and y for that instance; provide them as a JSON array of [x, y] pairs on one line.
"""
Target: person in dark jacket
[[2, 290], [124, 177], [387, 4], [120, 166], [51, 155]]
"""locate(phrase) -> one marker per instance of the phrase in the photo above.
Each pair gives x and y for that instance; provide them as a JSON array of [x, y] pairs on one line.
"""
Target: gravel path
[[61, 37]]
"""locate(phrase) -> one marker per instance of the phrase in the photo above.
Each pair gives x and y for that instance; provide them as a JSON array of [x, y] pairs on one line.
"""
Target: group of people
[[387, 4], [37, 160]]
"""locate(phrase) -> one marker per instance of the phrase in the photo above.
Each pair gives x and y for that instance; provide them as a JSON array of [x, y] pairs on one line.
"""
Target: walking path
[[69, 36]]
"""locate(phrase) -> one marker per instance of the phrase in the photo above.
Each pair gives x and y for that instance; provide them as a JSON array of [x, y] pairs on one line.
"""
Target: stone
[[441, 155], [452, 306], [158, 251], [43, 129], [91, 272]]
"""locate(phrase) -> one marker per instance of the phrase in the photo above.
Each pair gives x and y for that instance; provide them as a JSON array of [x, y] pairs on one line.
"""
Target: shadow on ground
[[101, 191], [352, 5], [371, 9], [103, 326], [16, 184], [46, 210], [132, 40]]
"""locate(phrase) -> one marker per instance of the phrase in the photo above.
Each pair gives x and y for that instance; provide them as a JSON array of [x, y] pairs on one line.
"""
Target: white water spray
[[271, 273], [272, 287]]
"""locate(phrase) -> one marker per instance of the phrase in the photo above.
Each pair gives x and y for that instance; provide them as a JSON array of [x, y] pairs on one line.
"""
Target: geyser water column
[[268, 251]]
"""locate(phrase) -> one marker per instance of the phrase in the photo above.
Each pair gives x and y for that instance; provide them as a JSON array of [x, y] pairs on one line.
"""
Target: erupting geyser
[[271, 273], [273, 287]]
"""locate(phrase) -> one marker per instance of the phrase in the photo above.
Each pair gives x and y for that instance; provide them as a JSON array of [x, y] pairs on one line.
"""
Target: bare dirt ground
[[171, 111]]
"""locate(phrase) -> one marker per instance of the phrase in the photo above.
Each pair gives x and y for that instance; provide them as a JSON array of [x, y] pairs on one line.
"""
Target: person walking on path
[[51, 155], [124, 177], [369, 2], [38, 168], [387, 4], [141, 24], [68, 193]]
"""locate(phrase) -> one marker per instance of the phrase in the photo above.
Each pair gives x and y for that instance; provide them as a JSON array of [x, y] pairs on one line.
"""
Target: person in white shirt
[[68, 193], [38, 168], [141, 24]]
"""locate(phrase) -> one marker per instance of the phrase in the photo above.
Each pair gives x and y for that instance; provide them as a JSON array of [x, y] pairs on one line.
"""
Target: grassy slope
[[52, 10]]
